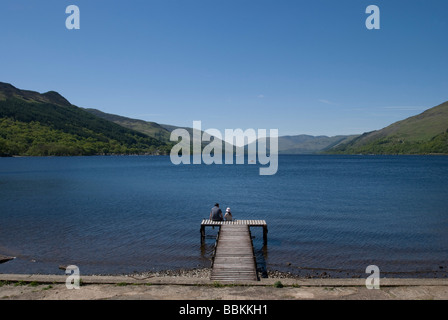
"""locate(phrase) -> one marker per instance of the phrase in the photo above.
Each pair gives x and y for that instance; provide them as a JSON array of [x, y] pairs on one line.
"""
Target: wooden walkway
[[234, 255], [234, 258]]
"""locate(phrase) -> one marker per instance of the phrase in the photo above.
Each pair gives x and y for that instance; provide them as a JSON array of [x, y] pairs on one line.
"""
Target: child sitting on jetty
[[228, 215]]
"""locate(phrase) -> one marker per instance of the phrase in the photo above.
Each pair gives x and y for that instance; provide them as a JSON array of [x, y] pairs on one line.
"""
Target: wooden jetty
[[249, 223], [234, 258]]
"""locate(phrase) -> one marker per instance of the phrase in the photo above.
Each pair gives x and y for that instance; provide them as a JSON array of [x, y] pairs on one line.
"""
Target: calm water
[[334, 214]]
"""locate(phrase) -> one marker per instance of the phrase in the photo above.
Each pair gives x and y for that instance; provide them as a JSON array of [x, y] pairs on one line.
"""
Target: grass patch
[[47, 287], [4, 283], [122, 284], [218, 284], [278, 284]]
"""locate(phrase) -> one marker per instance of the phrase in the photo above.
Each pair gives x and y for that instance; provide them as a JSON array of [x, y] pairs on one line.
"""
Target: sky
[[302, 67]]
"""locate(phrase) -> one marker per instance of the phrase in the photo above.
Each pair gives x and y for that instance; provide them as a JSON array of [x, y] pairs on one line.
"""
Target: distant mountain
[[46, 124], [37, 124], [301, 144], [426, 133], [306, 144], [8, 91], [151, 129], [161, 132]]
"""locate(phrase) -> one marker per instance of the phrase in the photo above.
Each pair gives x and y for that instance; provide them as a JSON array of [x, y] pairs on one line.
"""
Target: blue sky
[[303, 67]]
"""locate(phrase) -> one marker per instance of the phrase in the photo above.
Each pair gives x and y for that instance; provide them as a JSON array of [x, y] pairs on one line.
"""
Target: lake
[[124, 214]]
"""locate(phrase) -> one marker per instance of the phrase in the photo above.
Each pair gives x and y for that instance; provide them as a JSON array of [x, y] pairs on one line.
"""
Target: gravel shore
[[204, 273]]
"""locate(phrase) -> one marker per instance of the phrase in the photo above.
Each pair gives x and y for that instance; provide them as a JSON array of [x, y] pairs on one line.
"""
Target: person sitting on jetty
[[228, 215], [216, 213]]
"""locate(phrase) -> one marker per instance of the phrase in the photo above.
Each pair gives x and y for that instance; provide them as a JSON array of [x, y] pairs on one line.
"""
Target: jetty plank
[[249, 223], [234, 254]]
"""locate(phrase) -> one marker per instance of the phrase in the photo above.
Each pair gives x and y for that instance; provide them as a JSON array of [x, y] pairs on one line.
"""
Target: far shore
[[280, 154]]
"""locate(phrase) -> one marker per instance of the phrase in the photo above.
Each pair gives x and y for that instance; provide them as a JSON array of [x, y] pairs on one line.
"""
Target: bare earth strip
[[48, 287]]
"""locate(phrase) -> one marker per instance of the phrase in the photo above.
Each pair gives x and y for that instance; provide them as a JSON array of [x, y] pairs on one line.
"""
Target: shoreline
[[194, 286], [278, 274], [203, 274], [308, 273], [201, 277]]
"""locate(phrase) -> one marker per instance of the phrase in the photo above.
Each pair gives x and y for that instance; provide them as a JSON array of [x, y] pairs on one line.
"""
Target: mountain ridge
[[291, 144], [47, 124], [8, 91], [424, 133], [308, 144], [33, 123], [161, 132]]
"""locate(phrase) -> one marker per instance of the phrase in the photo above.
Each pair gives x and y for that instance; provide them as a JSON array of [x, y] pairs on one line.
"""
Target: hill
[[161, 132], [43, 124], [151, 129], [306, 144], [47, 124], [425, 133], [8, 91]]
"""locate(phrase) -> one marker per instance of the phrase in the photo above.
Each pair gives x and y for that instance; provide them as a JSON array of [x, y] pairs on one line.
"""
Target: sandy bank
[[52, 287]]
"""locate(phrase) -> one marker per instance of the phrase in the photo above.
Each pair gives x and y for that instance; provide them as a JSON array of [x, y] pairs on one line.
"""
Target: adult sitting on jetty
[[216, 213]]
